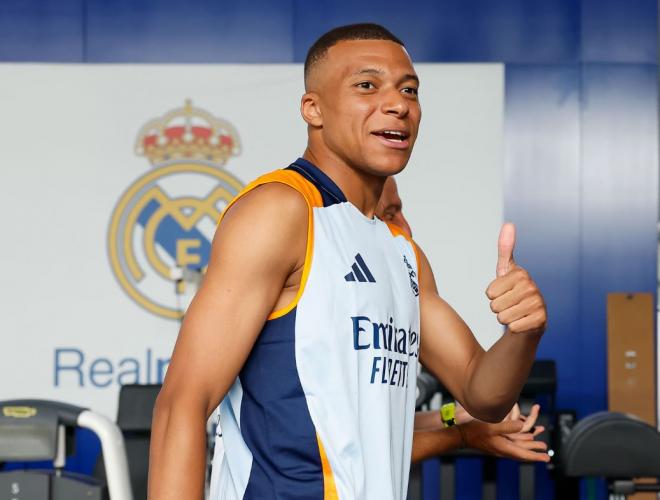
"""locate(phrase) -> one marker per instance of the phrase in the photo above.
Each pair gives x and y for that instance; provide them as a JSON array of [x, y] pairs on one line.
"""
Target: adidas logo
[[360, 271]]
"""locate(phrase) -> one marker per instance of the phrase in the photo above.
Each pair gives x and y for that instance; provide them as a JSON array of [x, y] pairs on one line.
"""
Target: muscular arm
[[486, 383], [262, 243]]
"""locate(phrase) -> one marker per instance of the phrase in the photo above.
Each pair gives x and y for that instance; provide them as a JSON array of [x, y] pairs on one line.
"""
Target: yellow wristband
[[448, 414]]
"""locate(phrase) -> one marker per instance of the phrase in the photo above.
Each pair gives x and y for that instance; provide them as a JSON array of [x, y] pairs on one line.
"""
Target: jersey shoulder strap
[[289, 177]]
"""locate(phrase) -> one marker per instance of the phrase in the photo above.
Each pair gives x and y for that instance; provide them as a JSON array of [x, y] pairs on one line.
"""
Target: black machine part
[[612, 445], [427, 387], [45, 484], [136, 406]]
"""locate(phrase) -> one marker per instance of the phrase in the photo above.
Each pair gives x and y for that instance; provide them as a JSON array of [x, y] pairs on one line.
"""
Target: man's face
[[368, 92], [390, 206]]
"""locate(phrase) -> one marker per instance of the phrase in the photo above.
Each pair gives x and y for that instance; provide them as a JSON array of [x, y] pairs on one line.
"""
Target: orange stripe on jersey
[[397, 231], [313, 199], [329, 486]]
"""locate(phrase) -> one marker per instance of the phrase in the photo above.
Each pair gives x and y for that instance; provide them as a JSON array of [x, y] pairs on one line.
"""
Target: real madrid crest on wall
[[162, 226]]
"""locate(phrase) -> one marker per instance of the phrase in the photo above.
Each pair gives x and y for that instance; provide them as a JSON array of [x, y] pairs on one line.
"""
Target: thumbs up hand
[[513, 295]]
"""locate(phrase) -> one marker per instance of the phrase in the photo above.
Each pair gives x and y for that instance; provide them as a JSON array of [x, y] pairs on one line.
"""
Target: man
[[310, 318], [511, 438]]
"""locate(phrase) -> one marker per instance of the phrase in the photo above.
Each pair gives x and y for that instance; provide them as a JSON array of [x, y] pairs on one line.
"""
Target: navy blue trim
[[275, 420], [330, 192]]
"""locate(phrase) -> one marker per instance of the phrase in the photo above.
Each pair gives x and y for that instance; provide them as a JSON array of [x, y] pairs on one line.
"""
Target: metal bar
[[114, 453]]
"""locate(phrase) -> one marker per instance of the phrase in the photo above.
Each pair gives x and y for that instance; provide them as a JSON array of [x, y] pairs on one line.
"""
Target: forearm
[[177, 457], [430, 443], [497, 376], [432, 420], [428, 420]]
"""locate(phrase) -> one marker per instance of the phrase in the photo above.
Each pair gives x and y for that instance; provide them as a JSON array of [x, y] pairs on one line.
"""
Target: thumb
[[505, 246]]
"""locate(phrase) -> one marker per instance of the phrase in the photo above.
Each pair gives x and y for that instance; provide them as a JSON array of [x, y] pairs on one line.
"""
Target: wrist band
[[448, 414]]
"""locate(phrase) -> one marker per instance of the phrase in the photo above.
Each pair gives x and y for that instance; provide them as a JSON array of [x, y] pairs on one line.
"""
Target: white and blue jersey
[[324, 406]]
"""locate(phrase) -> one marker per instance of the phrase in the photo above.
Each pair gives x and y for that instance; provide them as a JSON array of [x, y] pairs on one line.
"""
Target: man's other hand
[[514, 296], [504, 440]]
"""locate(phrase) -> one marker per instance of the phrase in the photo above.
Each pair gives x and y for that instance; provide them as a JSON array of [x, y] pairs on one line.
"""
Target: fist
[[513, 295]]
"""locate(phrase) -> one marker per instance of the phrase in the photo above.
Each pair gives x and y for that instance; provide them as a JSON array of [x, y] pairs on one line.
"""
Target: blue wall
[[581, 174]]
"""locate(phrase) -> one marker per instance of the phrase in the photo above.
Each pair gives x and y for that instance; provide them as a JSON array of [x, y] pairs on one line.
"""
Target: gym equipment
[[134, 412], [35, 430], [427, 387], [616, 446]]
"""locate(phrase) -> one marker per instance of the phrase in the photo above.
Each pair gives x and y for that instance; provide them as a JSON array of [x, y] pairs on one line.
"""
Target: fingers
[[517, 291], [521, 436], [527, 453], [519, 311], [532, 322], [510, 449], [514, 414], [517, 301], [517, 279], [539, 429], [532, 445], [526, 436], [505, 246], [530, 420]]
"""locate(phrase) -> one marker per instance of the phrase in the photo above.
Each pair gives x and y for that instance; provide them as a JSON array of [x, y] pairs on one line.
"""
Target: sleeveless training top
[[324, 406]]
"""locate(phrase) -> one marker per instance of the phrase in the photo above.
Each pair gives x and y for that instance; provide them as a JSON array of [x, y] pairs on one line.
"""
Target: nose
[[394, 103]]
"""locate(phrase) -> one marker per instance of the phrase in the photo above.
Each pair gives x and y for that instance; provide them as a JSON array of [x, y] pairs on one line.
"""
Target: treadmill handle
[[114, 453]]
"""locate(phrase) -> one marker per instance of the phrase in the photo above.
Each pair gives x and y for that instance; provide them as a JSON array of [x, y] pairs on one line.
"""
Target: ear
[[310, 109]]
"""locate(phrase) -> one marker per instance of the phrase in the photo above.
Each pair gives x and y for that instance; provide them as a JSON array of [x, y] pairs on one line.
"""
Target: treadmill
[[38, 430]]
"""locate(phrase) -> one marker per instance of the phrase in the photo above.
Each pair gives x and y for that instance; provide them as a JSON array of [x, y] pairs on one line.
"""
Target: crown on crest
[[188, 133]]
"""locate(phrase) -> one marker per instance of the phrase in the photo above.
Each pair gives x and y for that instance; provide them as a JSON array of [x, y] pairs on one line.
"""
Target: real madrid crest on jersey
[[162, 226]]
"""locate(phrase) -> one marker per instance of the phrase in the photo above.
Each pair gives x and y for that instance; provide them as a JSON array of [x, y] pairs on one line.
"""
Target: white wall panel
[[67, 155]]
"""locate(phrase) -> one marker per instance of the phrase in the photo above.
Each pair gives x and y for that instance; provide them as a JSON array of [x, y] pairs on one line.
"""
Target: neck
[[360, 188]]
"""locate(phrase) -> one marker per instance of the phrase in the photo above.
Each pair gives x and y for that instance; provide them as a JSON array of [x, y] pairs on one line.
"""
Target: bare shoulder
[[267, 225], [269, 202]]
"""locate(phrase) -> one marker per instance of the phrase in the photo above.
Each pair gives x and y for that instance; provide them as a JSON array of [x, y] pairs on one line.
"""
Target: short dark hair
[[362, 31]]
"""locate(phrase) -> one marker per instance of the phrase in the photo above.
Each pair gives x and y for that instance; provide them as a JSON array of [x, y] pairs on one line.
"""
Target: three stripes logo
[[360, 272]]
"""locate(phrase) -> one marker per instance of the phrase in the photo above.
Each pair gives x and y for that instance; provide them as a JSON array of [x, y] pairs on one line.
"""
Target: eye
[[410, 90], [366, 85]]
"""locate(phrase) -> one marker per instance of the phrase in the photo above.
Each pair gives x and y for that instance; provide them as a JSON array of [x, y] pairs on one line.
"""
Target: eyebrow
[[410, 77], [372, 71], [376, 71]]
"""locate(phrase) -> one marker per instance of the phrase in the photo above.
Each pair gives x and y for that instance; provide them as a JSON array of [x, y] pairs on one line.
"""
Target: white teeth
[[399, 135], [393, 135]]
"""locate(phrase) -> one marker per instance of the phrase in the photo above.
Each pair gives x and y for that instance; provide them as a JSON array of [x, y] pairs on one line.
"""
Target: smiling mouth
[[392, 135], [393, 139]]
